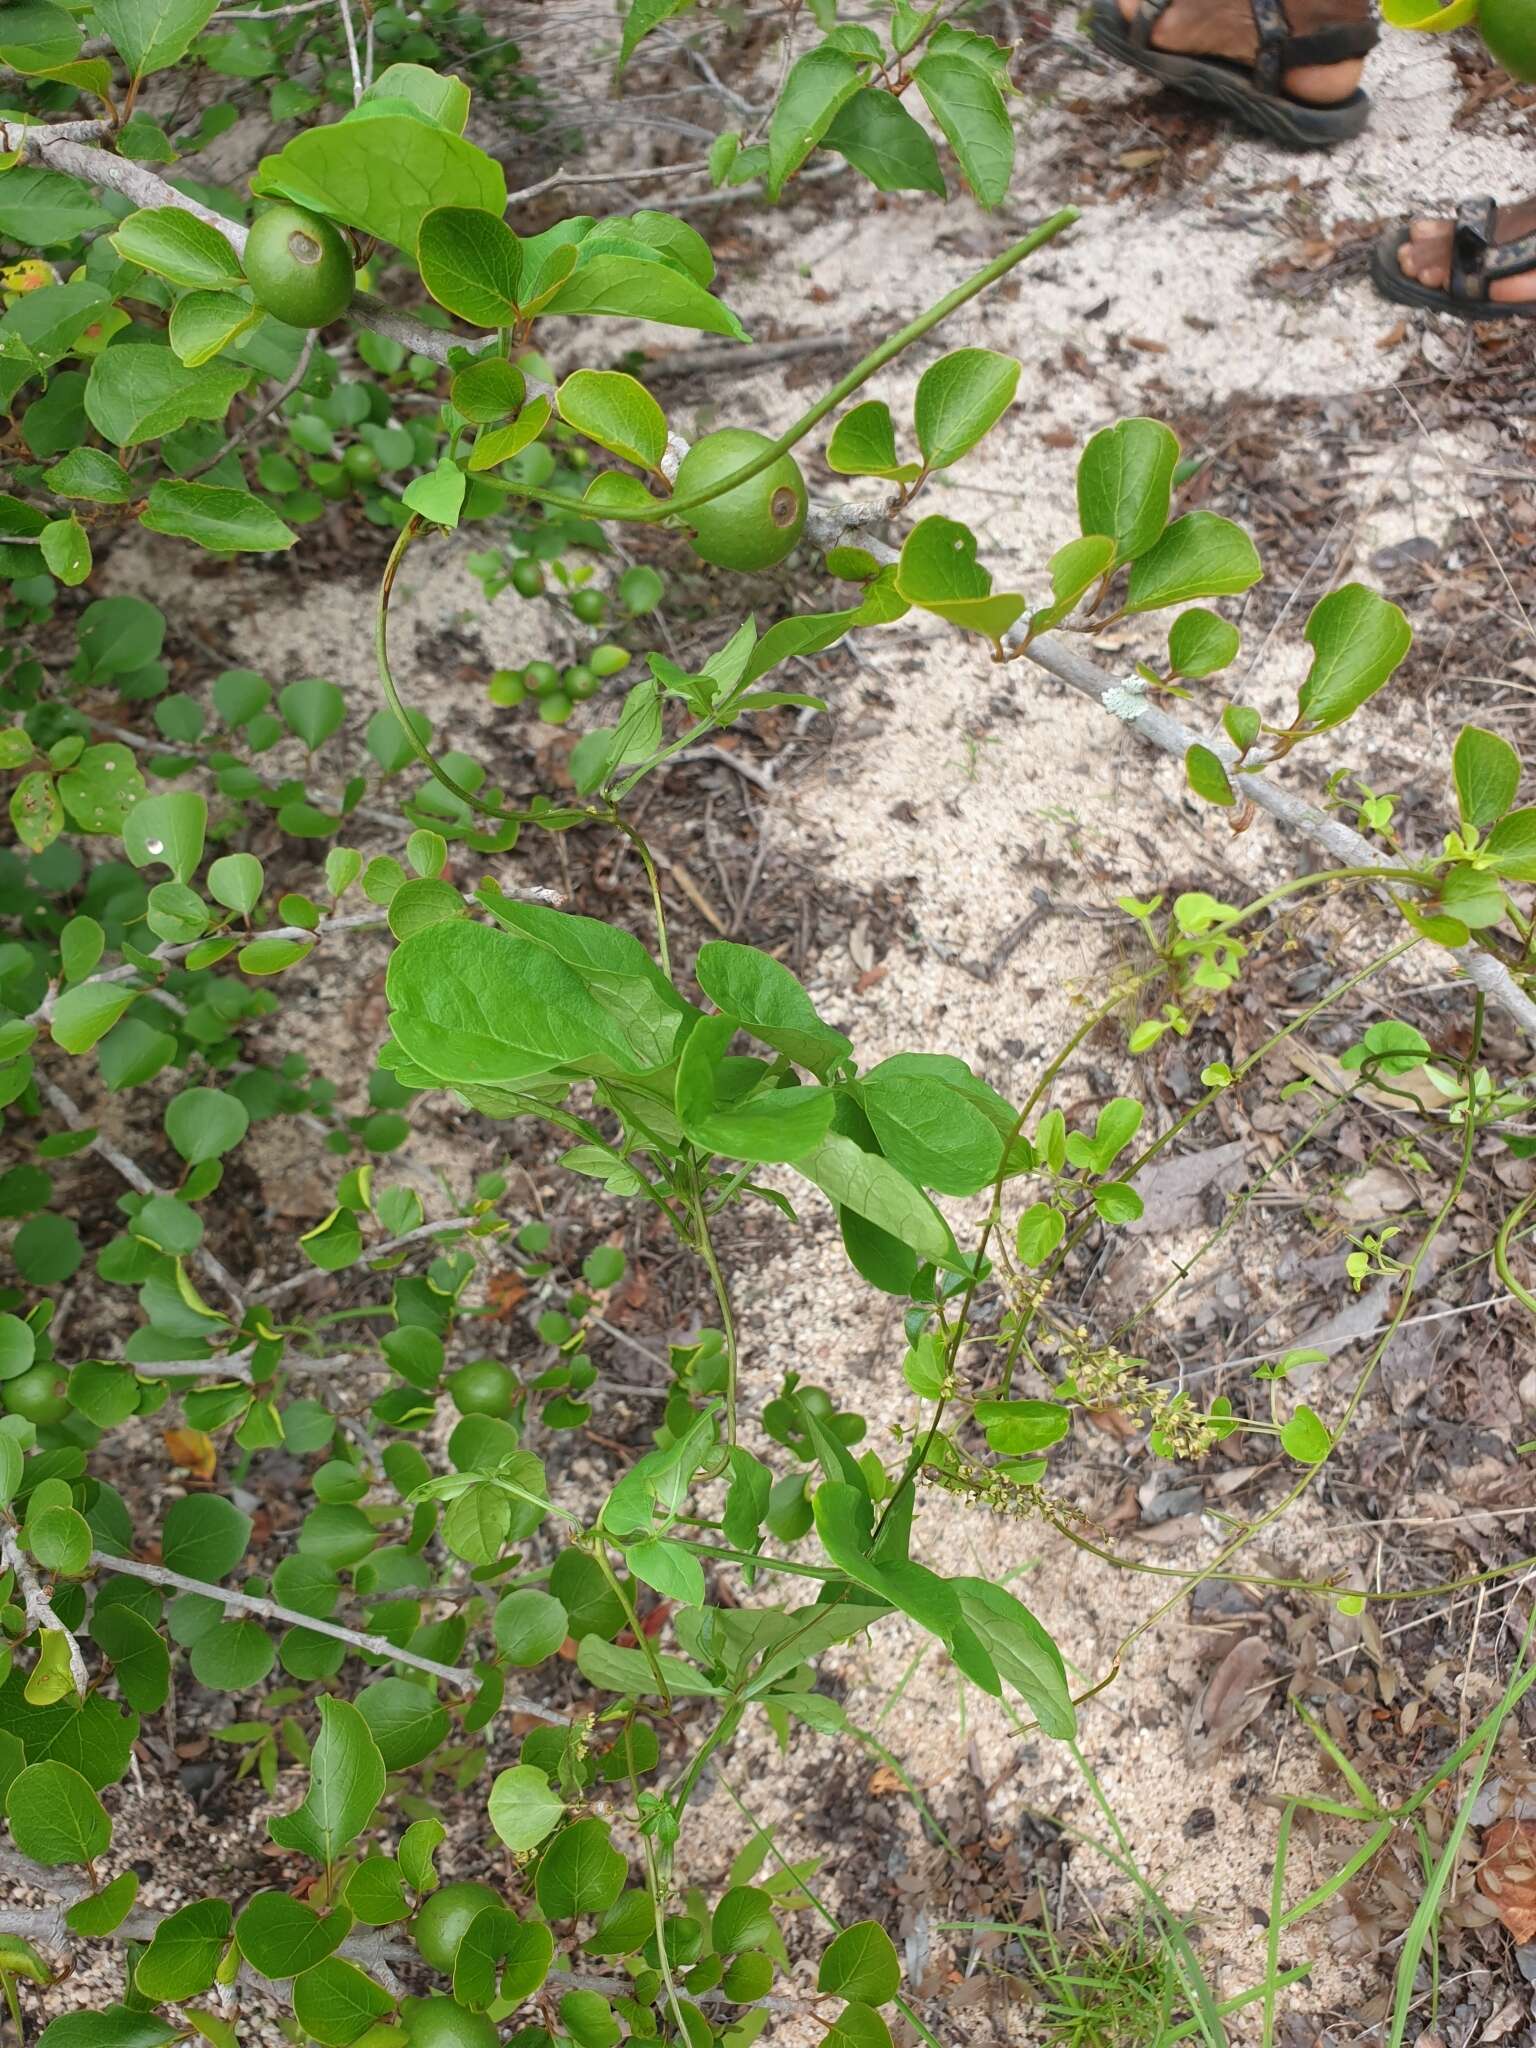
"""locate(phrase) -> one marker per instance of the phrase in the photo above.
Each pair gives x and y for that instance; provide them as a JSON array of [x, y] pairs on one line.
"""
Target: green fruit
[[527, 577], [1509, 30], [556, 708], [756, 524], [298, 267], [440, 1925], [444, 2023], [483, 1387], [589, 606], [507, 688], [36, 1395], [579, 683], [607, 660], [360, 463], [541, 677]]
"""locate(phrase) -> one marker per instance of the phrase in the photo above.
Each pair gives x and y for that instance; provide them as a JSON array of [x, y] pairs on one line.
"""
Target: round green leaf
[[529, 1626], [55, 1817], [205, 1123], [523, 1809]]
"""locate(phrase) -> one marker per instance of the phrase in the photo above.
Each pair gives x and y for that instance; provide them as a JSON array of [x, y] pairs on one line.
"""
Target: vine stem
[[273, 1610], [705, 1246]]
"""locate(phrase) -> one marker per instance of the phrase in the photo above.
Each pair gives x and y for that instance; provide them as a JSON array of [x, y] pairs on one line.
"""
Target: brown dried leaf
[[1236, 1695], [1506, 1875], [193, 1451]]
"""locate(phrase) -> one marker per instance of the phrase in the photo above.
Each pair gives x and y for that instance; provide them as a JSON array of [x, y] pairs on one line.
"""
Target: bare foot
[[1426, 258], [1225, 28]]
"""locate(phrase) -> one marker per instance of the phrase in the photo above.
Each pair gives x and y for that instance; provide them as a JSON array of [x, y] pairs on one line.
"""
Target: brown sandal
[[1478, 259], [1252, 92]]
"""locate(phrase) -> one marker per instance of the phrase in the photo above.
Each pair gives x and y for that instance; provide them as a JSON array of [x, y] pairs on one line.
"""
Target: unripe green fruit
[[541, 677], [444, 2023], [298, 267], [556, 708], [607, 660], [756, 524], [527, 577], [36, 1395], [507, 688], [589, 606], [483, 1387], [360, 463], [444, 1917], [1509, 30], [579, 682]]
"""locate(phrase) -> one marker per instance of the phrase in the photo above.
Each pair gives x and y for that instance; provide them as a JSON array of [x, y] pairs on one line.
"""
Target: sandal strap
[[1510, 259], [1472, 241], [1145, 19], [1280, 51]]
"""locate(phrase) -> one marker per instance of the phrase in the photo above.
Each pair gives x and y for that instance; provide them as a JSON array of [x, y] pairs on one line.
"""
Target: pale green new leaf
[[1358, 640], [959, 398], [383, 176], [178, 246], [618, 413], [964, 99], [819, 83], [472, 263]]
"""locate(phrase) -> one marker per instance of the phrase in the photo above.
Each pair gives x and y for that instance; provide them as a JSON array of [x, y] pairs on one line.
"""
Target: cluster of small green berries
[[558, 691]]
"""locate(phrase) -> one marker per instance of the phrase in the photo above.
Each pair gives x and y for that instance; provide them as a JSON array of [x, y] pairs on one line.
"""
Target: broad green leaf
[[965, 101], [1200, 643], [1075, 569], [66, 550], [642, 17], [878, 1191], [232, 1656], [152, 35], [351, 171], [489, 390], [336, 2003], [523, 1808], [46, 324], [864, 444], [743, 1921], [94, 1739], [439, 495], [406, 1721], [203, 324], [1473, 897], [959, 398], [346, 1783], [1017, 1429], [1125, 484], [768, 1001], [35, 37], [170, 829], [857, 2026], [312, 710], [931, 1131], [40, 209], [204, 1536], [92, 475], [137, 1653], [879, 137], [36, 812], [83, 1015], [1026, 1657], [819, 83], [1198, 556], [112, 2026], [235, 880], [120, 634], [670, 1569], [861, 1963], [1358, 639], [471, 262], [228, 521], [629, 288], [444, 101], [1041, 1229], [1207, 777], [60, 1539], [612, 1669], [500, 444], [280, 1936], [181, 1960], [205, 1123], [101, 1913], [1305, 1437], [177, 245], [939, 573], [476, 1005], [580, 1872], [55, 1816], [140, 392], [529, 1626], [1487, 773], [618, 413], [1511, 846]]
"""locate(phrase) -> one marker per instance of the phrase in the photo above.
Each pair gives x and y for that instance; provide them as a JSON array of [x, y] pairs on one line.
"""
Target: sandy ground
[[955, 783]]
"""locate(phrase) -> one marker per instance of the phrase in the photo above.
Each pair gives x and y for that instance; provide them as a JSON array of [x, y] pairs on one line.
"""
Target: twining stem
[[876, 360], [704, 1245], [621, 1593]]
